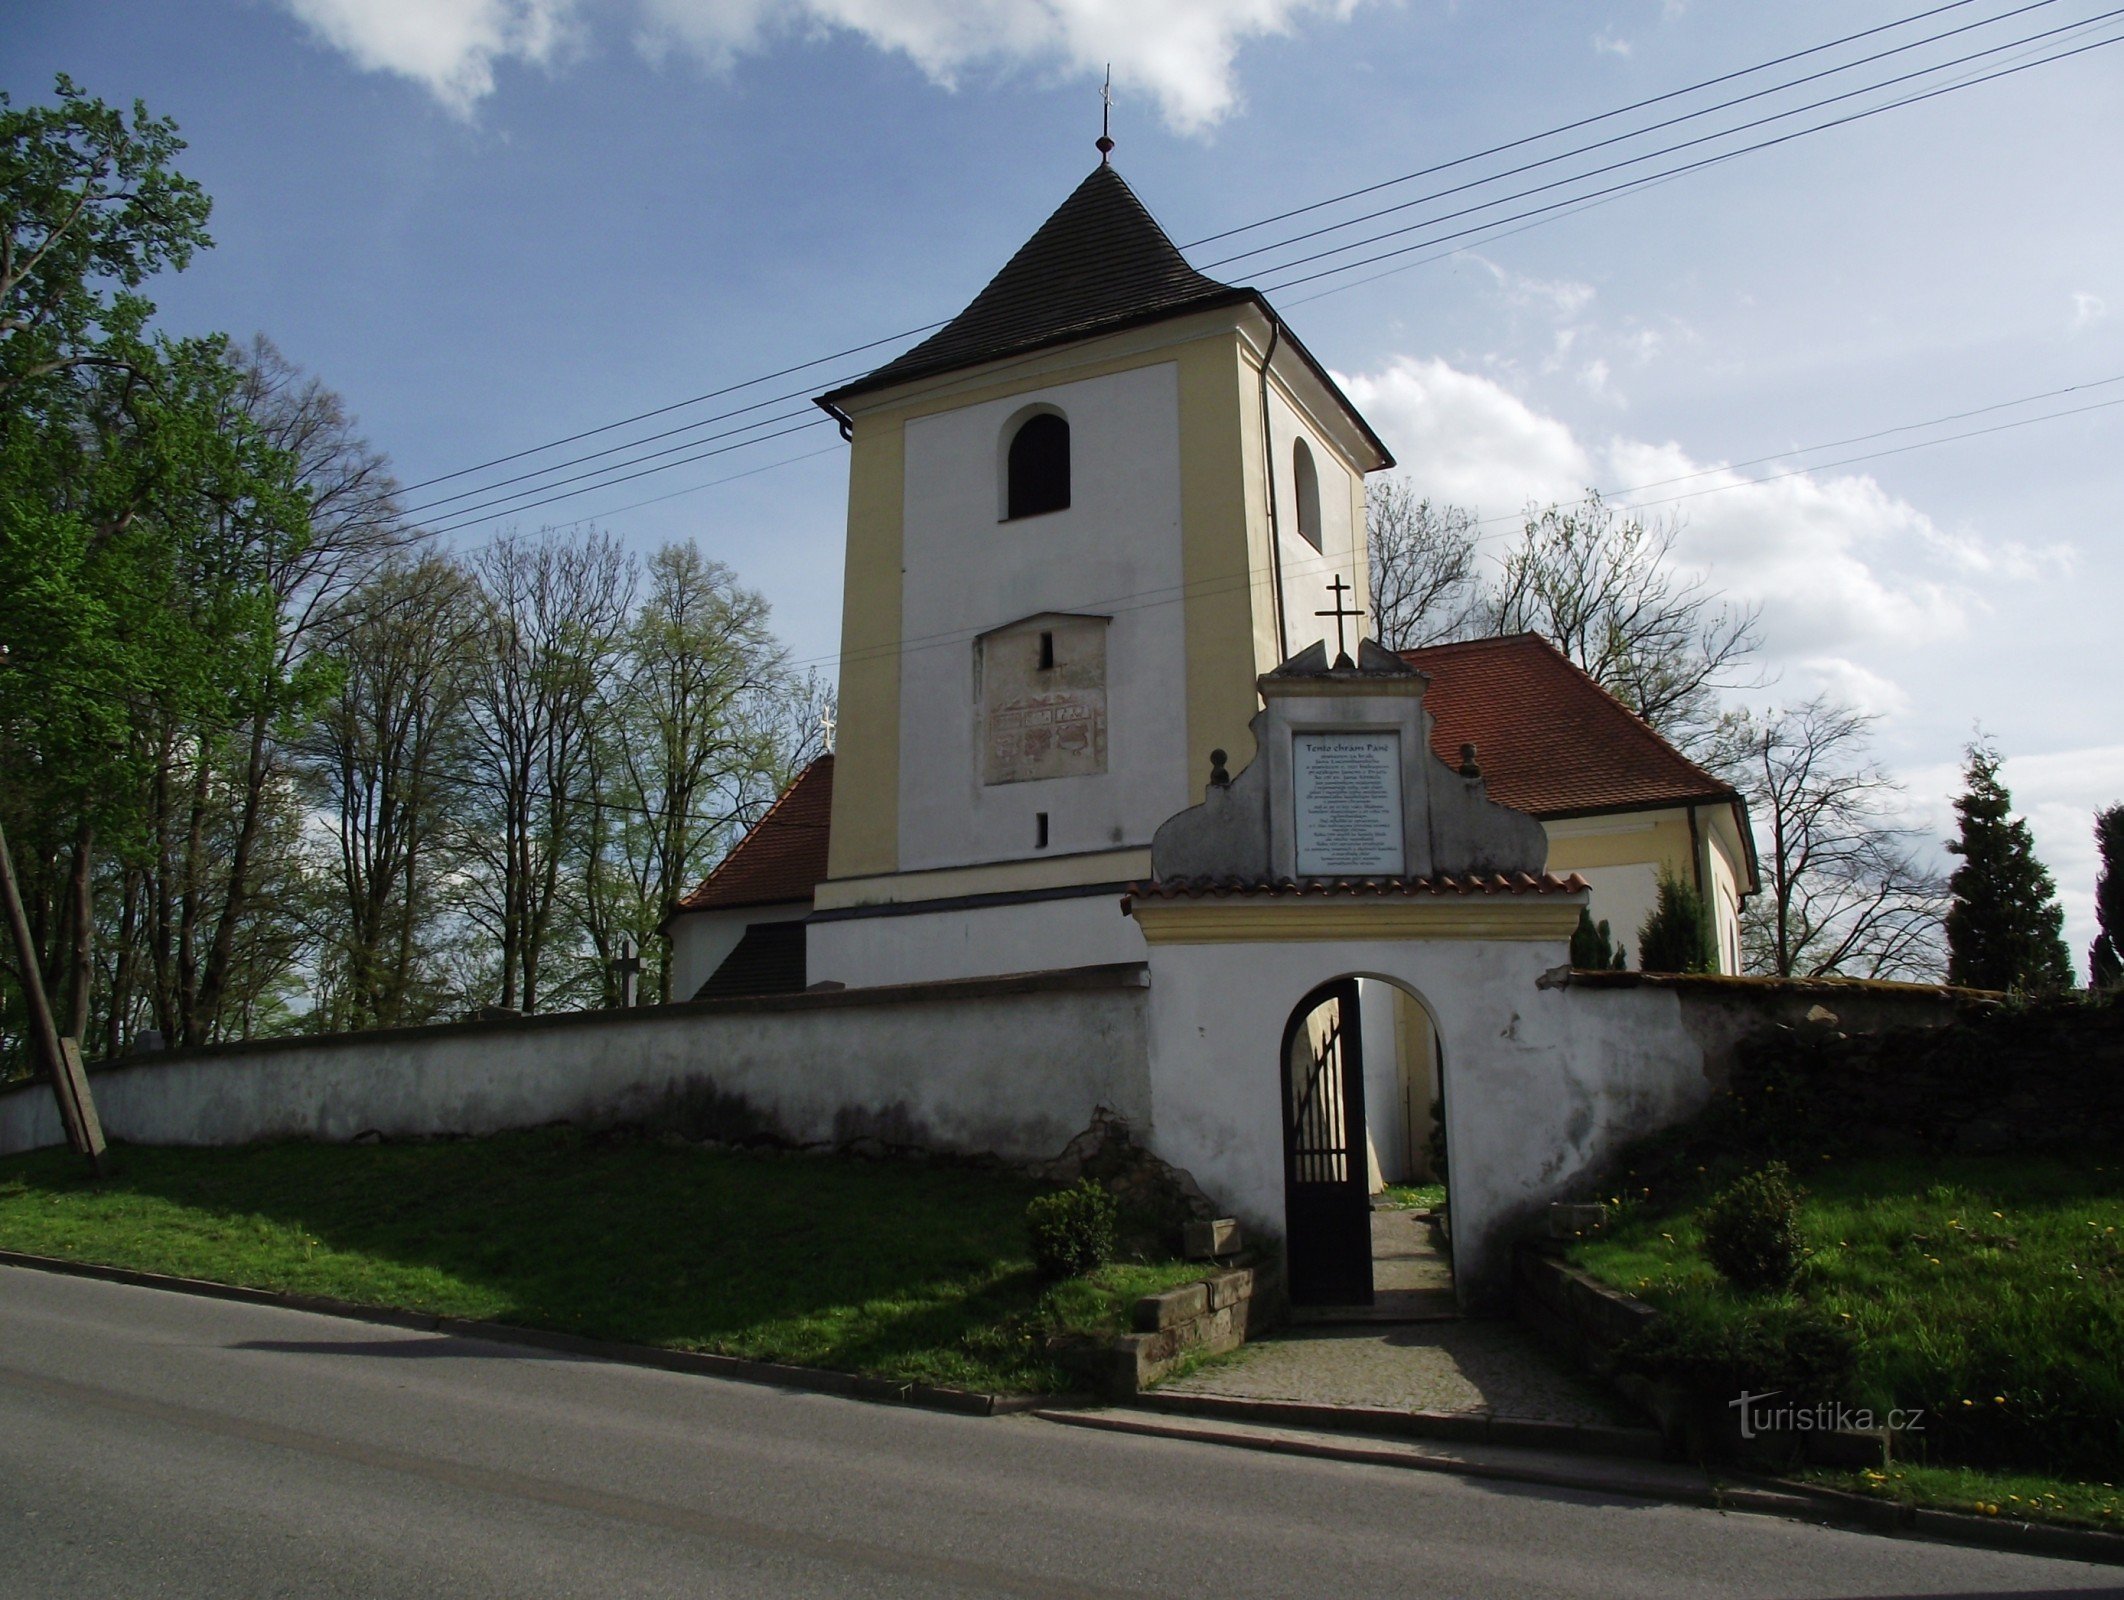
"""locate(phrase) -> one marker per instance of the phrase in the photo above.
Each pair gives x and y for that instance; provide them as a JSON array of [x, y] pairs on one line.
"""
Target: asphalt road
[[159, 1444]]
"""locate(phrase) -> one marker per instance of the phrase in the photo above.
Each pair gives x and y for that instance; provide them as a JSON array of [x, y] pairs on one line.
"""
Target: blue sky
[[489, 223]]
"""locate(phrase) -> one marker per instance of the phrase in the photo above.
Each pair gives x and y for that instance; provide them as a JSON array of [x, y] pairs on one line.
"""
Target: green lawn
[[1989, 1291], [1415, 1196], [909, 1271]]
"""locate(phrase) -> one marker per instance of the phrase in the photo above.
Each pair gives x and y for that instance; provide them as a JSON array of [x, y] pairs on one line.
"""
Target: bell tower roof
[[1101, 262]]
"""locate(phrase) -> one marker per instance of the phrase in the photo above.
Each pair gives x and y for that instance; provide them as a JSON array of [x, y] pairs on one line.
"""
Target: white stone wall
[[701, 940], [1034, 936], [1013, 1070], [1308, 572], [1540, 1084], [1114, 552]]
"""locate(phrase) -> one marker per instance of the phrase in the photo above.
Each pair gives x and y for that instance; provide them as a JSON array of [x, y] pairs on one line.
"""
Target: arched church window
[[1305, 478], [1038, 467]]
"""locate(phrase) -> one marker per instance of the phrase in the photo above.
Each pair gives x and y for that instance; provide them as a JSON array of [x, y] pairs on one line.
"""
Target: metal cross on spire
[[1338, 589], [1105, 140]]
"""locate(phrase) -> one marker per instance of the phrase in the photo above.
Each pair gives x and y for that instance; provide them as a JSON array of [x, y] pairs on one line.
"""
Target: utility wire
[[1246, 227], [1723, 133], [1693, 166], [1655, 127], [535, 498], [1573, 127]]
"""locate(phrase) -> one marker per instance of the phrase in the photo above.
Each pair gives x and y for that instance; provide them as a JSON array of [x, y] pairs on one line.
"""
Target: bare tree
[[1424, 582], [387, 757], [1844, 888], [552, 614], [1602, 587]]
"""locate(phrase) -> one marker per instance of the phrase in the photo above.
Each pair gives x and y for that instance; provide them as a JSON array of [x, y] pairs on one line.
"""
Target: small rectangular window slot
[[1047, 652], [1039, 830]]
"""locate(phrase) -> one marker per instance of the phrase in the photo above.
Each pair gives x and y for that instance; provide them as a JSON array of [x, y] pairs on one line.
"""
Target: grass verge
[[915, 1272], [2016, 1497], [1986, 1291]]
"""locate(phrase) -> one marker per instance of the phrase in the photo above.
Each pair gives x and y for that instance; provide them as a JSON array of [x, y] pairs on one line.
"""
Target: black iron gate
[[1327, 1203]]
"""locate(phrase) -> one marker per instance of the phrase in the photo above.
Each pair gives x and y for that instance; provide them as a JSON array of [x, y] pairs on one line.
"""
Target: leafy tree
[[92, 210], [1425, 588], [1677, 934], [2105, 958], [1844, 889], [1593, 948], [2004, 929]]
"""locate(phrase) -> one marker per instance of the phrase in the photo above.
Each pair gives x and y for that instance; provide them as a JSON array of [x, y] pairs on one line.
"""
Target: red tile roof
[[783, 857], [1550, 741]]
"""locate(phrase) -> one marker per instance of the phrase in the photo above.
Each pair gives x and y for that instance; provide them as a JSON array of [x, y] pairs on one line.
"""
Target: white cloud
[[1466, 439], [448, 47], [2087, 309], [1842, 568], [1607, 44], [1853, 684], [1178, 54]]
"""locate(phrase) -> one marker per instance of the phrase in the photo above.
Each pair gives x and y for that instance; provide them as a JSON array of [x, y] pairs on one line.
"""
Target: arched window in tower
[[1038, 467], [1305, 479]]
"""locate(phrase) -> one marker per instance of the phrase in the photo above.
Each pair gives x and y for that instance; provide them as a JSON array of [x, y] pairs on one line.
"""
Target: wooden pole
[[84, 1130]]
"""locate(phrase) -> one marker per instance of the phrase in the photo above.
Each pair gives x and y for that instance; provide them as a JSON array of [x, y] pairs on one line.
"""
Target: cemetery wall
[[1012, 1066]]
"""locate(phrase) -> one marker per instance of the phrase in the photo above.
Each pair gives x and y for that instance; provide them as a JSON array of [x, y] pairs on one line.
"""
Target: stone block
[[1156, 1311], [1576, 1221], [1205, 1241], [1228, 1288]]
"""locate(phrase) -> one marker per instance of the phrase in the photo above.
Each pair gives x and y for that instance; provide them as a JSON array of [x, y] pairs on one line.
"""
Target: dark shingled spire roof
[[1101, 262]]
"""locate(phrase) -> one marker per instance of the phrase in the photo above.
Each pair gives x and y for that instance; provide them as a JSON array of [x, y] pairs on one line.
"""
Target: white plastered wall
[[967, 571], [972, 942], [701, 940], [1307, 572], [1540, 1086]]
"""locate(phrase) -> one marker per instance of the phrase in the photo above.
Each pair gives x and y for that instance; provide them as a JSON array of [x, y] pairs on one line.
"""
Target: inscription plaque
[[1349, 804]]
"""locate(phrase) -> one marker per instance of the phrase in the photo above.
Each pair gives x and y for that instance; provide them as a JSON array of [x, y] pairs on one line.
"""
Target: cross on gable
[[1339, 589]]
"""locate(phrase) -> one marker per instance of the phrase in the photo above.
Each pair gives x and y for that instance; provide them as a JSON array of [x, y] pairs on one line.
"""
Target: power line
[[535, 498], [1651, 128], [676, 405], [1693, 166], [1573, 127], [733, 388]]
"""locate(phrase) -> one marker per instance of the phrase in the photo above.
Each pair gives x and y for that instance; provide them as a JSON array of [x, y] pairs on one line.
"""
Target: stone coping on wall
[[1111, 977], [1735, 984]]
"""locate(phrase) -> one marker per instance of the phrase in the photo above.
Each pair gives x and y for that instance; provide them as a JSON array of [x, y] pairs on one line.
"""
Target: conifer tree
[[2005, 927], [1593, 947], [1676, 936], [2105, 958]]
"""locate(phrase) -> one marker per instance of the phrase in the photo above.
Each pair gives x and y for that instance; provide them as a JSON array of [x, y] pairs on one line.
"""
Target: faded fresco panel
[[1042, 695]]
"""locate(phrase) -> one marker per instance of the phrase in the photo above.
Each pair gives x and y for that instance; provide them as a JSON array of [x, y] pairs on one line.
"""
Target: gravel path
[[1416, 1366]]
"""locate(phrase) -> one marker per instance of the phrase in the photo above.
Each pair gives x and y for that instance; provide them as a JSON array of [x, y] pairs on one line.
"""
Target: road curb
[[1780, 1497], [1457, 1427], [813, 1380], [1383, 1452]]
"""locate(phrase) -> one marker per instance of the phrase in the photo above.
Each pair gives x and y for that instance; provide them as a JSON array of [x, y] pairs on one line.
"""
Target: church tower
[[1083, 517]]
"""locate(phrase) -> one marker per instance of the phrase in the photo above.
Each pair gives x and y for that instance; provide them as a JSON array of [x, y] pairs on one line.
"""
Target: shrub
[[1752, 1233], [1593, 947], [1676, 936], [1794, 1349], [1071, 1230]]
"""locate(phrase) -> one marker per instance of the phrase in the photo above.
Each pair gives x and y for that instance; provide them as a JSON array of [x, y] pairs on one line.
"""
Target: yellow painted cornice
[[1273, 920]]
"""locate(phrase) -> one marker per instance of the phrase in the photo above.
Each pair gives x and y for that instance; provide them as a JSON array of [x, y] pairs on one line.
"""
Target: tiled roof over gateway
[[783, 857], [1100, 262], [1550, 741]]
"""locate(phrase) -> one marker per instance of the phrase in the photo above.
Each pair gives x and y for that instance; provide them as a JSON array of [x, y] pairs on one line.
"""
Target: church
[[1106, 705]]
